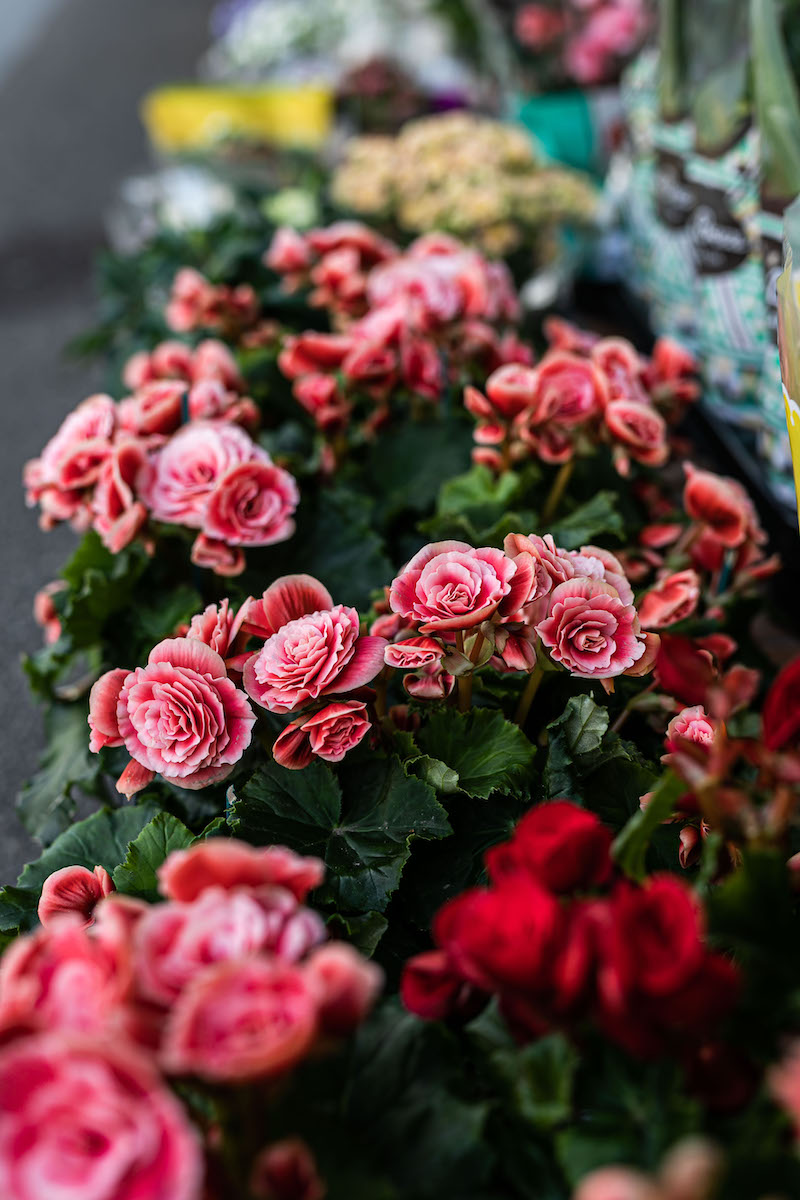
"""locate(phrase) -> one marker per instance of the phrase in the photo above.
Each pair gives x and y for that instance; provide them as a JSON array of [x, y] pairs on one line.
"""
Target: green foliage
[[480, 507], [361, 821], [136, 874], [17, 912], [46, 803], [100, 585], [486, 752], [632, 843], [404, 470], [101, 840], [597, 516]]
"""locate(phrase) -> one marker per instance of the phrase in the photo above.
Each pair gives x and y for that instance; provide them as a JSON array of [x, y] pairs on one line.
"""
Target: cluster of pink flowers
[[577, 606], [592, 39], [196, 303], [230, 979], [185, 717], [178, 450], [420, 320], [585, 391], [558, 940]]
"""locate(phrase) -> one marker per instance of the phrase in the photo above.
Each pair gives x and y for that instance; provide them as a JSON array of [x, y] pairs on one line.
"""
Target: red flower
[[560, 845], [781, 714]]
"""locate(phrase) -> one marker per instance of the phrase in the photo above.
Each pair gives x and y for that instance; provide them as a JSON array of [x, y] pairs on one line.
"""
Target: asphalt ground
[[72, 73]]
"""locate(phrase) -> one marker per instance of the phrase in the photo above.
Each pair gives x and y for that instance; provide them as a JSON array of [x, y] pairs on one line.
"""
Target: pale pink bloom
[[597, 563], [179, 716], [73, 890], [237, 1021], [318, 654], [451, 585], [430, 295], [252, 505], [673, 598], [65, 976], [191, 465], [227, 863], [616, 1183], [212, 359], [117, 512], [192, 295], [590, 630], [91, 1120], [346, 986], [70, 463], [217, 556], [288, 252], [175, 941], [329, 734], [690, 724], [218, 625], [286, 1171]]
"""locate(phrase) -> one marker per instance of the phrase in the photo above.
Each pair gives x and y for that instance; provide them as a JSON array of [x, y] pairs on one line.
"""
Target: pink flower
[[421, 367], [237, 1021], [227, 863], [550, 566], [218, 556], [429, 294], [312, 352], [692, 725], [45, 613], [429, 682], [590, 630], [512, 389], [568, 389], [175, 942], [117, 513], [329, 734], [312, 655], [322, 399], [73, 890], [413, 653], [212, 359], [639, 429], [784, 1084], [346, 986], [598, 563], [288, 252], [88, 1120], [536, 25], [722, 505], [674, 598], [179, 716], [218, 625], [450, 585], [617, 1183], [156, 408], [191, 465], [286, 1171], [252, 505], [191, 296], [65, 976]]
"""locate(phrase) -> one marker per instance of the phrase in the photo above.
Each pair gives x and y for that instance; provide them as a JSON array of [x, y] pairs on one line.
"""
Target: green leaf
[[136, 874], [598, 516], [434, 772], [487, 752], [100, 584], [540, 1078], [17, 912], [631, 844], [101, 840], [364, 931], [46, 804], [477, 506], [362, 824], [404, 470]]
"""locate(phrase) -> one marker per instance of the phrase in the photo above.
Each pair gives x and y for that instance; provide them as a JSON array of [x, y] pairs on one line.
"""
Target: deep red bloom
[[781, 714], [561, 846]]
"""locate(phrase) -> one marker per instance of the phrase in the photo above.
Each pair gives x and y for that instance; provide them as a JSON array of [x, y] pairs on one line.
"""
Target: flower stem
[[526, 699], [464, 682], [557, 490]]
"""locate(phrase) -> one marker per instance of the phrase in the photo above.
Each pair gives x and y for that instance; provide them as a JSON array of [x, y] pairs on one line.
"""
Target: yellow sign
[[185, 118]]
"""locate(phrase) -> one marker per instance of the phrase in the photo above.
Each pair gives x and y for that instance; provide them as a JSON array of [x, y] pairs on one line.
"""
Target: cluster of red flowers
[[230, 979], [561, 942], [196, 303], [177, 450], [586, 391], [416, 320]]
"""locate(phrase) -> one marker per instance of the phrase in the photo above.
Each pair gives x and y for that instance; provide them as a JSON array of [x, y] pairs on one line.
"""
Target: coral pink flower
[[722, 505], [315, 654], [252, 505], [174, 942], [617, 1183], [244, 1020], [329, 734], [191, 295], [430, 682], [117, 513], [639, 429], [212, 359], [413, 653], [421, 367], [191, 465], [288, 252], [45, 613], [569, 389], [551, 566], [536, 25], [179, 716], [692, 725], [227, 863], [73, 890], [217, 556], [346, 986], [157, 408], [674, 598], [451, 585], [784, 1084], [218, 625], [286, 1171], [65, 976], [590, 630], [312, 352], [86, 1120]]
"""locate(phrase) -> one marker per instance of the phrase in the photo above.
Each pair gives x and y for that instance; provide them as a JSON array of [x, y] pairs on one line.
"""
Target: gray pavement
[[71, 76]]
